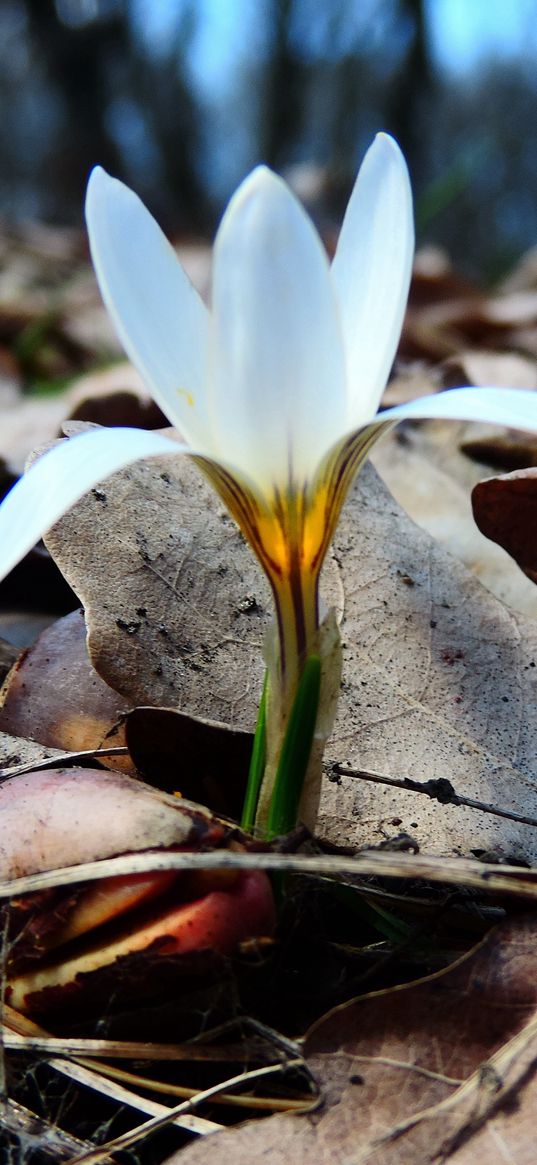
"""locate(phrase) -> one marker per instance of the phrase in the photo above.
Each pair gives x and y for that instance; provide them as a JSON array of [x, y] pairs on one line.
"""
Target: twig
[[152, 1126], [500, 879], [33, 1130], [129, 1049], [438, 789], [258, 1103], [61, 758], [86, 1071], [79, 1073]]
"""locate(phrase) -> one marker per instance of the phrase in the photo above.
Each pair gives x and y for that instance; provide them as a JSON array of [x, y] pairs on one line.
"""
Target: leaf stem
[[296, 751], [257, 763]]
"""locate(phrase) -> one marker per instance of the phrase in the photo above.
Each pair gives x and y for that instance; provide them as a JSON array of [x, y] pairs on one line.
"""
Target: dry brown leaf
[[501, 448], [27, 423], [14, 751], [114, 395], [505, 509], [54, 696], [427, 473], [214, 758], [439, 681], [182, 616], [481, 368], [516, 309], [446, 314], [64, 817], [523, 277], [410, 381], [439, 677], [409, 1074]]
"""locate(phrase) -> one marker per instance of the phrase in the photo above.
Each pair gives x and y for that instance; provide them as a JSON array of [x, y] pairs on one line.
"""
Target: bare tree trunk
[[78, 62], [283, 94], [408, 103]]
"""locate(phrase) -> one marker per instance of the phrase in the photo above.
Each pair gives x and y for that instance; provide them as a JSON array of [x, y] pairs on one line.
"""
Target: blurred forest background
[[182, 97]]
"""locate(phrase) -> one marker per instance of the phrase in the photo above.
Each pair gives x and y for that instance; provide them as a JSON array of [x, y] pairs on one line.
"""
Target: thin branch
[[152, 1126], [377, 863], [79, 1073], [130, 1049], [33, 1130], [61, 758], [438, 789]]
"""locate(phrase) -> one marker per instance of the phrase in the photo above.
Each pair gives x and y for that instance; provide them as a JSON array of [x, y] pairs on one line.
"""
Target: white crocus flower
[[275, 390]]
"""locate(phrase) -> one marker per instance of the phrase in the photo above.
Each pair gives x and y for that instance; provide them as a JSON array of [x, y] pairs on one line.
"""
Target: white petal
[[371, 270], [497, 406], [159, 317], [278, 368], [61, 477]]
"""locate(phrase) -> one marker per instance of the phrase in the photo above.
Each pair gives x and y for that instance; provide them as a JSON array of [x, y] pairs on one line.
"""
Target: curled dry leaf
[[114, 396], [505, 509], [208, 761], [408, 1075], [65, 817], [501, 449], [54, 696], [438, 677]]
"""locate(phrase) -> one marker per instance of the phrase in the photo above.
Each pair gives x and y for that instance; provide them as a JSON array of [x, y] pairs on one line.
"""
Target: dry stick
[[61, 758], [439, 789], [128, 1049], [32, 1129], [13, 1042], [258, 1103], [152, 1126], [484, 876], [21, 1034], [86, 1071], [80, 1073]]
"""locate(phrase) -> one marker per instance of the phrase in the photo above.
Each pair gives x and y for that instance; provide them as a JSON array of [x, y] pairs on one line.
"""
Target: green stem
[[296, 751], [257, 763]]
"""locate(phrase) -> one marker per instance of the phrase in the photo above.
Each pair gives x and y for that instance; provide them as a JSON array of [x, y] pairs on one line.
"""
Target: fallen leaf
[[409, 1075], [501, 449], [63, 817], [213, 759], [505, 509], [523, 276], [410, 381], [54, 696], [183, 614], [430, 477], [439, 677], [15, 751], [482, 368], [439, 681]]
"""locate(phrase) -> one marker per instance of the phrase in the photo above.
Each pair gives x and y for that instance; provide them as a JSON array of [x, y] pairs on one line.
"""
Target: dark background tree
[[182, 97]]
